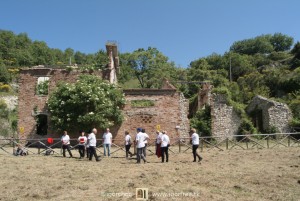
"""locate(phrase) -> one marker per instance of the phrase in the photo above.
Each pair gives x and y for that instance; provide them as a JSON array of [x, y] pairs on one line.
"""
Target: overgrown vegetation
[[267, 65], [90, 102]]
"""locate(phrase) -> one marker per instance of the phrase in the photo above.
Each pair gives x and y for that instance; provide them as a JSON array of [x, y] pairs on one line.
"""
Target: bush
[[5, 88], [90, 102], [202, 121]]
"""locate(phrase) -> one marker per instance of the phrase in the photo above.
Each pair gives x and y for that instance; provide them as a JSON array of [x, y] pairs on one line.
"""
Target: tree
[[4, 74], [90, 102], [151, 67], [281, 42]]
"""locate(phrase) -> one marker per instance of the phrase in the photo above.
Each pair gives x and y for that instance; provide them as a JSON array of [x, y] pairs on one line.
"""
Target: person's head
[[164, 132], [107, 130], [138, 130], [157, 132], [81, 133], [65, 133], [126, 133], [94, 131], [143, 130], [193, 130]]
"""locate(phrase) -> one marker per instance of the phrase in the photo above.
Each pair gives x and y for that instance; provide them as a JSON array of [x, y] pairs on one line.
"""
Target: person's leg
[[80, 150], [108, 149], [162, 154], [194, 153], [83, 151], [199, 157], [138, 156], [88, 152], [127, 150], [95, 154], [69, 150], [167, 154], [145, 150], [104, 147], [64, 150], [91, 150]]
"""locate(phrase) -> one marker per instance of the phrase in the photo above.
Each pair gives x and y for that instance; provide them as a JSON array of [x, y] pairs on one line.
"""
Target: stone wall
[[274, 114], [169, 112], [225, 121], [31, 103]]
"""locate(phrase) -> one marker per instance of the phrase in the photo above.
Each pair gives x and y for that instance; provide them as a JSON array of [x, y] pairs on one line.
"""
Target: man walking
[[128, 144], [92, 145], [107, 141], [165, 143], [195, 143], [140, 138], [146, 136], [65, 139]]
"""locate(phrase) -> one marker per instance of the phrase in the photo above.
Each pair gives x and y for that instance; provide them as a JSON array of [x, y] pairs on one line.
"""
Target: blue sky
[[184, 30]]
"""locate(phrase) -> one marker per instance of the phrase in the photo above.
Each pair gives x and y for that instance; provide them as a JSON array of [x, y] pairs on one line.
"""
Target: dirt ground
[[259, 174]]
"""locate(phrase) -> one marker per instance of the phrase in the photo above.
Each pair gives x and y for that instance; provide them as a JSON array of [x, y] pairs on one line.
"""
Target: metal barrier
[[178, 145]]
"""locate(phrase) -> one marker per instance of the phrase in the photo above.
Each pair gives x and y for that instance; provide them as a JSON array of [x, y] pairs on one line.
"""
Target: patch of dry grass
[[266, 174]]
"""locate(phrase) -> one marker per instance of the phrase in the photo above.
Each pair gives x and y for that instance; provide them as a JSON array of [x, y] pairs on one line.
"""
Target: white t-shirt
[[158, 138], [82, 140], [146, 137], [92, 140], [127, 139], [165, 140], [140, 138], [65, 139], [195, 139], [107, 138]]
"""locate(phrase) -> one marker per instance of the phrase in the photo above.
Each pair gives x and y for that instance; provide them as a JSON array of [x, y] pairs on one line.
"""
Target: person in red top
[[81, 144]]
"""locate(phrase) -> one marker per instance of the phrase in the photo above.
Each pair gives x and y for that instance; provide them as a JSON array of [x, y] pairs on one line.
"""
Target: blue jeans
[[106, 146]]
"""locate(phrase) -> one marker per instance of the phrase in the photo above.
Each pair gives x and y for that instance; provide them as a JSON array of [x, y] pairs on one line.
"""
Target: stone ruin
[[168, 109], [269, 115]]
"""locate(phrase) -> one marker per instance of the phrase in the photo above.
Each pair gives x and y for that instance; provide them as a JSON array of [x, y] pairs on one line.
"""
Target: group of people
[[87, 144]]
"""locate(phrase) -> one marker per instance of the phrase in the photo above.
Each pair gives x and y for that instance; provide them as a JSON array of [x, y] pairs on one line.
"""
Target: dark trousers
[[164, 151], [66, 147], [92, 152], [81, 149], [140, 155], [195, 154], [145, 150], [87, 152], [127, 148]]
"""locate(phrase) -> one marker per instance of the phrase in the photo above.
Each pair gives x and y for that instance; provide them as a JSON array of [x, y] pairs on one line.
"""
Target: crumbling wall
[[274, 114], [31, 104], [225, 122]]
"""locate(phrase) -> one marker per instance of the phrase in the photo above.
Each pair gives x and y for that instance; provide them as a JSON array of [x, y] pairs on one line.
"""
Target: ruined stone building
[[152, 109]]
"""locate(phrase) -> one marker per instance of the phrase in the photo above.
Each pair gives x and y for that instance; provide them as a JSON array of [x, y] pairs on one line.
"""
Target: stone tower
[[113, 65]]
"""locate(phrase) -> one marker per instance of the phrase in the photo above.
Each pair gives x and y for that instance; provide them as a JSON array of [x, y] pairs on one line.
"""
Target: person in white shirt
[[158, 141], [195, 143], [107, 141], [128, 144], [92, 141], [165, 143], [140, 138], [65, 139], [145, 141], [82, 143]]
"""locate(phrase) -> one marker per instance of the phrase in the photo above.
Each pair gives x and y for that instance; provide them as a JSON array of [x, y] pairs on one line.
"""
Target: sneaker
[[200, 159]]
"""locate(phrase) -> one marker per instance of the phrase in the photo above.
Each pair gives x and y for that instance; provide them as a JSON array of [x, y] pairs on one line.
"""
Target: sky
[[183, 30]]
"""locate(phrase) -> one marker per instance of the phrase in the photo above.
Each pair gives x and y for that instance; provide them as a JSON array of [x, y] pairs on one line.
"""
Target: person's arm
[[110, 138]]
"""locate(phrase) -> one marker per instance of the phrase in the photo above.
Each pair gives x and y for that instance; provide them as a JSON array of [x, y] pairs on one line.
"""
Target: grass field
[[263, 174]]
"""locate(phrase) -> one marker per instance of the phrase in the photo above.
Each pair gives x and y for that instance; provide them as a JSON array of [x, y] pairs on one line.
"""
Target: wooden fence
[[178, 145]]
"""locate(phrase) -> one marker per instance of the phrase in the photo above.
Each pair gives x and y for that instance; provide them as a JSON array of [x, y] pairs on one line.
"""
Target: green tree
[[151, 67], [90, 102], [4, 74], [281, 42]]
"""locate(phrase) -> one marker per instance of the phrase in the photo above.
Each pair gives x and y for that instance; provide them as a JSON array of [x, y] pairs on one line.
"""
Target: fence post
[[268, 142], [227, 141], [247, 143], [39, 148], [201, 147], [179, 145], [289, 140]]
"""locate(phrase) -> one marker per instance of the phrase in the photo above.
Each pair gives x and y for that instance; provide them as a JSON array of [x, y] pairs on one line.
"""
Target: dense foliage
[[90, 102], [267, 65]]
